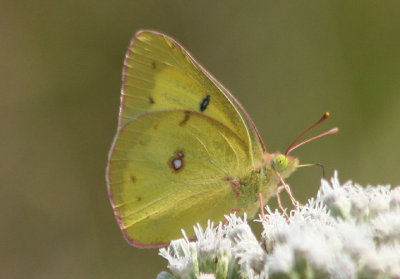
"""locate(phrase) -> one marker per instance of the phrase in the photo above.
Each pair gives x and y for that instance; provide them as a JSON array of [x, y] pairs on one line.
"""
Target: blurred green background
[[287, 62]]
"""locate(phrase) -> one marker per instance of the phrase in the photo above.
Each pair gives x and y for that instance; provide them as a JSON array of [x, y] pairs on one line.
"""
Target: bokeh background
[[287, 62]]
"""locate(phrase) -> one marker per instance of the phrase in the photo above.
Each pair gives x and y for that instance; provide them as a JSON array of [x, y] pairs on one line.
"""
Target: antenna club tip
[[334, 130], [326, 115]]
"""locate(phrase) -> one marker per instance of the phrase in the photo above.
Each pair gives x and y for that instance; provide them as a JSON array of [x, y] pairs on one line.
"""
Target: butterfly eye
[[280, 162]]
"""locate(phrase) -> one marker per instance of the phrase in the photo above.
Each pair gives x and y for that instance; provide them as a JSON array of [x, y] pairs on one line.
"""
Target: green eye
[[280, 162]]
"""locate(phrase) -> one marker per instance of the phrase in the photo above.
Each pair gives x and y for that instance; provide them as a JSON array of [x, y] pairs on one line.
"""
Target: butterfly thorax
[[264, 180]]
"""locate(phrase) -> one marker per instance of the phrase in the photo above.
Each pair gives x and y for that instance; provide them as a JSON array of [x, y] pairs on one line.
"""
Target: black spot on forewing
[[154, 65], [133, 179], [185, 118], [138, 198], [176, 162], [204, 103], [151, 100]]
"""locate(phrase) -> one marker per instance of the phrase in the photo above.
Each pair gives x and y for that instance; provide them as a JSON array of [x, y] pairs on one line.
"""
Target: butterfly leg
[[232, 211], [287, 188], [261, 206], [278, 198]]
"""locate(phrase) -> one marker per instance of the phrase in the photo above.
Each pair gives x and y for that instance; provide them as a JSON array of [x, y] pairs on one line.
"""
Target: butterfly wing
[[160, 74], [182, 139], [170, 169]]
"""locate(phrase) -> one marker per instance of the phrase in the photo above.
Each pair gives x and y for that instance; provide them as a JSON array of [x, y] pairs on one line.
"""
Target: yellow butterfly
[[186, 150]]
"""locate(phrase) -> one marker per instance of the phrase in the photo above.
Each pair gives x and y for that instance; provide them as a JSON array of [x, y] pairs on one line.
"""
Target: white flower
[[347, 231]]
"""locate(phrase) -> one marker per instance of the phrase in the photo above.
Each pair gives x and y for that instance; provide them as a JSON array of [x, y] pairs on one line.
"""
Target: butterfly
[[186, 150]]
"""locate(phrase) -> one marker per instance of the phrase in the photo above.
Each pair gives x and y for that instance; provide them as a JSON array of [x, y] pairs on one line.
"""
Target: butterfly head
[[281, 163]]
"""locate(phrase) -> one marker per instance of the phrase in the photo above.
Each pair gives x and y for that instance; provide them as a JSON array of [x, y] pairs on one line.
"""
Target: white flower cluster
[[347, 231]]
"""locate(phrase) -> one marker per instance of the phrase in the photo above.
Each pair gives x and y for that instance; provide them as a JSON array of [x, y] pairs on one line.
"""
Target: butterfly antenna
[[292, 146]]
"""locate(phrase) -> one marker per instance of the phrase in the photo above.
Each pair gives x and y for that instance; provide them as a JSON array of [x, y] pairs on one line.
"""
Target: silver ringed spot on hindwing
[[176, 162]]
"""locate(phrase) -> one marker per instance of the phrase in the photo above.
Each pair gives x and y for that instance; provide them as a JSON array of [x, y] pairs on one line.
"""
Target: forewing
[[171, 169], [160, 74]]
